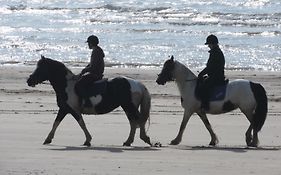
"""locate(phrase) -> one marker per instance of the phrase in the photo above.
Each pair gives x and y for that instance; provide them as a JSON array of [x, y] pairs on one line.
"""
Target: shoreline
[[77, 65]]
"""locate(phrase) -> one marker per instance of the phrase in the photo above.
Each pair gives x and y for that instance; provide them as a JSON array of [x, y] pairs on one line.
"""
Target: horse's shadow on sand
[[120, 149], [107, 148], [236, 149]]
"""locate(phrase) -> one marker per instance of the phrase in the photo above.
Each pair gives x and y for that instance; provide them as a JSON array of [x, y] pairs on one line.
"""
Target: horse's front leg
[[60, 116], [214, 139], [185, 119], [82, 124]]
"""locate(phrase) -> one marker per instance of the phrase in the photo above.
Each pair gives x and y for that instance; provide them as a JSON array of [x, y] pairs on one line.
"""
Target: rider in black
[[214, 70], [93, 71]]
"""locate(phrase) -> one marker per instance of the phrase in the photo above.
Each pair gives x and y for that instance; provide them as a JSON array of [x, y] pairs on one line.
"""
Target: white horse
[[249, 97]]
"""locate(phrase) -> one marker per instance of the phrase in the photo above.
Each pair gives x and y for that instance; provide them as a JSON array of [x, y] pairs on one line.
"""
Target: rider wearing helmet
[[214, 70], [93, 71]]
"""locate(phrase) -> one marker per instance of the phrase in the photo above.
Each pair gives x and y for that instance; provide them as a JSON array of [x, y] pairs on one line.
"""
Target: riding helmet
[[93, 40], [212, 39]]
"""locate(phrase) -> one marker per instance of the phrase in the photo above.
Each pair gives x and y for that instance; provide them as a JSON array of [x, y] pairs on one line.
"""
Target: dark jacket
[[215, 65], [96, 65]]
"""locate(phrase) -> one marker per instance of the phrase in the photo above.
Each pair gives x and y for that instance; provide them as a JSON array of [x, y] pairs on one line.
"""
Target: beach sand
[[27, 115]]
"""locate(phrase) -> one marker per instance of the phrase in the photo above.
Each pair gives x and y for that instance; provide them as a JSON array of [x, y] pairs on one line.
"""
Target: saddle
[[93, 89], [97, 87], [216, 93]]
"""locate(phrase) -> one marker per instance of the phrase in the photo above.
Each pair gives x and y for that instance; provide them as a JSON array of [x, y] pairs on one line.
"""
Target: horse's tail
[[260, 113], [145, 106]]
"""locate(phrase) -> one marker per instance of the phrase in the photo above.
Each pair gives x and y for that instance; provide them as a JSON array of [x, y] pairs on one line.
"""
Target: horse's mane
[[183, 70], [53, 64]]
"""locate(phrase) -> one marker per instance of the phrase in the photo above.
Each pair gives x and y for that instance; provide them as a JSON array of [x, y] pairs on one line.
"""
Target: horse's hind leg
[[132, 115], [130, 140], [143, 135], [255, 141], [248, 135], [60, 116], [251, 140], [214, 139]]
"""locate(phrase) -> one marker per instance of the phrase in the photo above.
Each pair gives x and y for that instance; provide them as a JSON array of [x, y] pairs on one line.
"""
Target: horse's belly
[[219, 107], [89, 111], [99, 109]]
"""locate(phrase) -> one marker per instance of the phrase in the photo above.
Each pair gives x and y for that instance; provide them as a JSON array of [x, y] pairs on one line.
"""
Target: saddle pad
[[98, 87], [218, 93]]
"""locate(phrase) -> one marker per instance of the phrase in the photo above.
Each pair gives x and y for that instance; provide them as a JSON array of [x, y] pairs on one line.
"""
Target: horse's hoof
[[174, 142], [87, 144], [249, 141], [46, 142], [126, 144], [252, 145], [213, 143], [156, 144]]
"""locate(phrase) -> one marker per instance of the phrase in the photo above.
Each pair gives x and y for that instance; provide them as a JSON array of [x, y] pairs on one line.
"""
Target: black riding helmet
[[93, 40], [212, 39]]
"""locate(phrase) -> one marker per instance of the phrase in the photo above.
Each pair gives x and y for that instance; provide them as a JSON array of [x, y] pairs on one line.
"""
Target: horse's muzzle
[[159, 81], [30, 82]]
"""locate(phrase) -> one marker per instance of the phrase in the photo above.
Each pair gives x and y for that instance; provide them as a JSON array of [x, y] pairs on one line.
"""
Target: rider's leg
[[205, 94], [82, 88]]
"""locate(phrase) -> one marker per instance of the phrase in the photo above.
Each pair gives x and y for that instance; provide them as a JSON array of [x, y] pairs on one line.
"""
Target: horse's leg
[[185, 119], [60, 116], [143, 135], [214, 139], [131, 137], [249, 137], [82, 124], [133, 115], [255, 141]]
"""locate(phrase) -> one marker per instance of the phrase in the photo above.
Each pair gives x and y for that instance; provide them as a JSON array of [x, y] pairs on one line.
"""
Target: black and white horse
[[249, 97], [121, 91]]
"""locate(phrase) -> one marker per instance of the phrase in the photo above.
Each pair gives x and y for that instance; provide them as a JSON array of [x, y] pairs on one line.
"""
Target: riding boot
[[205, 100]]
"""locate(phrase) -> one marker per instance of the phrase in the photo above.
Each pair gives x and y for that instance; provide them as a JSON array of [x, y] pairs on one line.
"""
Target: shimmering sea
[[142, 33]]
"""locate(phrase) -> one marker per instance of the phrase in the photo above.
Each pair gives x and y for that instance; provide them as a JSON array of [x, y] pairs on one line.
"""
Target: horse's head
[[167, 72], [40, 74]]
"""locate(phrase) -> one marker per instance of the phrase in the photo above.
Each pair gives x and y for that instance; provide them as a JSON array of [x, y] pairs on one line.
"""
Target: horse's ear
[[172, 57], [42, 57]]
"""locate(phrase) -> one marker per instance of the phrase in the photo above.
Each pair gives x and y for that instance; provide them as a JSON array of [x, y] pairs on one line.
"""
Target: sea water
[[142, 33]]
